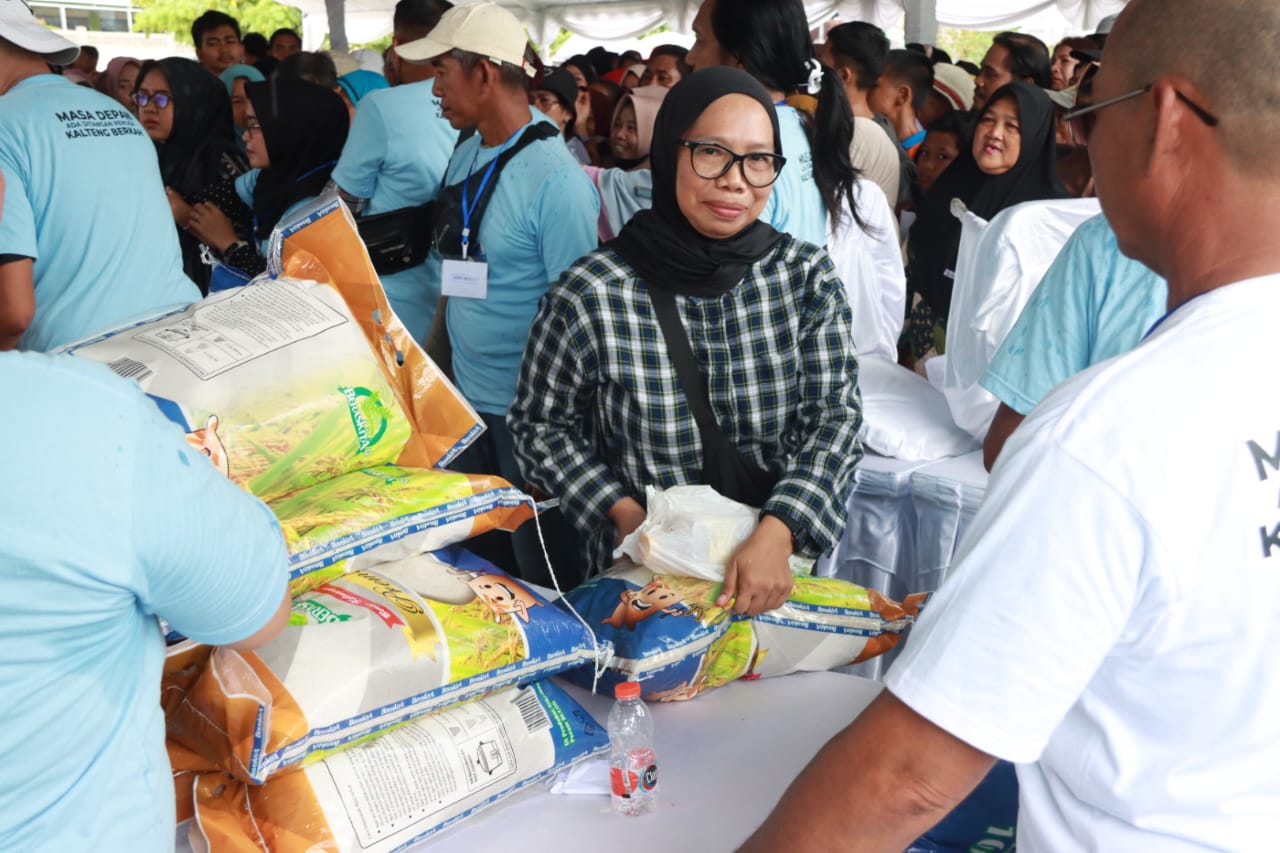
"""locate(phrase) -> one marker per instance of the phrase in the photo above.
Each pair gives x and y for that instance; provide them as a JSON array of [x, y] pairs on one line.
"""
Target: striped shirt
[[599, 413]]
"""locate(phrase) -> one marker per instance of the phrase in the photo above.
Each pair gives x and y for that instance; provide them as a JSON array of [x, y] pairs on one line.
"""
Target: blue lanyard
[[1171, 312], [468, 207]]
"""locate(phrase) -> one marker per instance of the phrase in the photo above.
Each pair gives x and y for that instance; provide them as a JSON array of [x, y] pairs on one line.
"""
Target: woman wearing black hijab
[[1012, 160], [294, 133], [195, 144], [753, 390]]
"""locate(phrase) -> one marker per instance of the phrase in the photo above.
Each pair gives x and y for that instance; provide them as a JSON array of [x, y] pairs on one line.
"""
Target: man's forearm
[[878, 785]]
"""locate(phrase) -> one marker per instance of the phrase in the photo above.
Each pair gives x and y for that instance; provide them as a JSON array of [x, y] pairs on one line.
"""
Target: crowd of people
[[653, 272]]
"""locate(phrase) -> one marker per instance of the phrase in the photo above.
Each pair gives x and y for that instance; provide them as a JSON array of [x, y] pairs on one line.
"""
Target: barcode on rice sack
[[127, 368], [535, 717]]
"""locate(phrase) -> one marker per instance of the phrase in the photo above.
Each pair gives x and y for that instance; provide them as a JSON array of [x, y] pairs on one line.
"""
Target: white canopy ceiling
[[615, 20]]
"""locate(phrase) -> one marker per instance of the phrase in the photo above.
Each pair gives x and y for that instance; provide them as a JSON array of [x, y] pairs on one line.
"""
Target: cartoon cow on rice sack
[[634, 606]]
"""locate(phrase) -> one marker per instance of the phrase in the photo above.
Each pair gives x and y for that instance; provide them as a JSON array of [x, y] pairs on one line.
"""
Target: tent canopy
[[608, 21]]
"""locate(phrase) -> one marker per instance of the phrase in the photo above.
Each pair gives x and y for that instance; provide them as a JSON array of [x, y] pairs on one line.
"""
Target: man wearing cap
[[1111, 623], [514, 213], [395, 158], [86, 239]]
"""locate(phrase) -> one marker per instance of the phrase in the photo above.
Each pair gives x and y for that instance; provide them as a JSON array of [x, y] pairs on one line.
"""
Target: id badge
[[464, 279]]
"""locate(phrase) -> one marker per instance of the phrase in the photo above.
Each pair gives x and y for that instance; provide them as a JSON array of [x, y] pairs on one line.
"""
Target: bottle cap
[[627, 690]]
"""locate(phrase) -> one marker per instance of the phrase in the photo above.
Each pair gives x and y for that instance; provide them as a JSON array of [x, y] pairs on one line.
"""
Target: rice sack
[[668, 633], [320, 242], [408, 783], [377, 515], [368, 651], [275, 382]]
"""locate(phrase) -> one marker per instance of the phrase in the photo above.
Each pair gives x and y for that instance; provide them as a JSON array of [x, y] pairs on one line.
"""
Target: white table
[[724, 760]]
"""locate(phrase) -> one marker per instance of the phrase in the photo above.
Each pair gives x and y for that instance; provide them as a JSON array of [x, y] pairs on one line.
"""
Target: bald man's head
[[1201, 41]]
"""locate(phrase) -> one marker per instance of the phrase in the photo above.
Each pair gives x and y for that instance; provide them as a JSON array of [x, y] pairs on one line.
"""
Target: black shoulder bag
[[724, 468], [398, 239]]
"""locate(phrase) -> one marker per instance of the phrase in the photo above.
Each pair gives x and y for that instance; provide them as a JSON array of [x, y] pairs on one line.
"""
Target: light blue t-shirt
[[1092, 304], [541, 218], [395, 157], [84, 198], [110, 519], [795, 205]]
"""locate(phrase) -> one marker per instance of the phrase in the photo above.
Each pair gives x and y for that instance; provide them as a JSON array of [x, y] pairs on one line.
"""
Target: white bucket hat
[[486, 29], [19, 26]]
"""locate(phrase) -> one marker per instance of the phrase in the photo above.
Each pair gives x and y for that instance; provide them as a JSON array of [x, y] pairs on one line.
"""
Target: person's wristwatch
[[231, 248]]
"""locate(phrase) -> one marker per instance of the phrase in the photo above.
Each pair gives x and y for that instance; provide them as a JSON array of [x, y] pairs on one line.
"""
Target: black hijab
[[304, 127], [201, 147], [660, 244], [935, 236]]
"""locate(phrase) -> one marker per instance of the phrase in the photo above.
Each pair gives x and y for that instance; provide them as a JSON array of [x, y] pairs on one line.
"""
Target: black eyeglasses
[[252, 126], [710, 161], [1083, 119], [159, 100]]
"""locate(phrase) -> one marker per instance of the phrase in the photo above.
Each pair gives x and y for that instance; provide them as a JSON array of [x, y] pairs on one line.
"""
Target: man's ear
[[845, 72], [1172, 118]]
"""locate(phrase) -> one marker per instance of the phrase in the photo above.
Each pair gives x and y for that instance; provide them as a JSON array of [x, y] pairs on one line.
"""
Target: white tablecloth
[[724, 759]]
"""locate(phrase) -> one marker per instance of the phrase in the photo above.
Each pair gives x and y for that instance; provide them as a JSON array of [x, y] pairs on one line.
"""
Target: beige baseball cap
[[486, 29], [954, 83], [18, 25]]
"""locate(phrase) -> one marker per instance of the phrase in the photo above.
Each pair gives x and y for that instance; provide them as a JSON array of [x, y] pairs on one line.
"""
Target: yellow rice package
[[274, 381], [377, 515], [667, 632], [320, 242], [368, 651], [405, 785]]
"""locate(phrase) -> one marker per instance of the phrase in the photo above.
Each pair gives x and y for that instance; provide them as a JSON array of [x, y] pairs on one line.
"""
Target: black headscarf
[[201, 147], [304, 127], [660, 243], [935, 236]]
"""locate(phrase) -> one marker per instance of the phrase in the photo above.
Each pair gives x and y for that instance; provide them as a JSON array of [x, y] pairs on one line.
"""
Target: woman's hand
[[758, 577], [212, 227], [626, 515], [181, 210]]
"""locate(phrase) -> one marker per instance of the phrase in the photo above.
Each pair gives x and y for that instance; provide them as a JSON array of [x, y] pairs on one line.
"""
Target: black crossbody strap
[[724, 468], [685, 362]]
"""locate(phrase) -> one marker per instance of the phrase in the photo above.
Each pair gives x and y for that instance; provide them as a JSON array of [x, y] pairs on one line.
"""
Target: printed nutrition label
[[252, 322], [415, 771]]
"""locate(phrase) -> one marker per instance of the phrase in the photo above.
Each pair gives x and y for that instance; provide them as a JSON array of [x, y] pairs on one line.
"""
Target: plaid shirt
[[599, 412]]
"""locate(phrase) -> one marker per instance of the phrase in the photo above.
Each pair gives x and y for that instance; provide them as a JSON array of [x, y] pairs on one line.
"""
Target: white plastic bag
[[690, 531]]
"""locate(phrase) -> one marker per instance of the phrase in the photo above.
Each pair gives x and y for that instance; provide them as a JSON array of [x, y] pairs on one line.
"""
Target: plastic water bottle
[[633, 769]]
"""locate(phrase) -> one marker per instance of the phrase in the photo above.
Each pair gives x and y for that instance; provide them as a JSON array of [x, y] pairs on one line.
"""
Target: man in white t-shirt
[[1112, 621]]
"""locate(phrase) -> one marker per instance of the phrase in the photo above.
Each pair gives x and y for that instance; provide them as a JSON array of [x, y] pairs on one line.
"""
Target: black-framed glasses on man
[[711, 160], [1083, 118]]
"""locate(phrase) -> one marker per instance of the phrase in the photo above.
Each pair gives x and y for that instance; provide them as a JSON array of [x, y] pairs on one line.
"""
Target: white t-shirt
[[1112, 622]]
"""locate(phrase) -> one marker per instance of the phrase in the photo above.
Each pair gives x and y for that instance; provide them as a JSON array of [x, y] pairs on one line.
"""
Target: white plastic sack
[[998, 267], [904, 417]]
